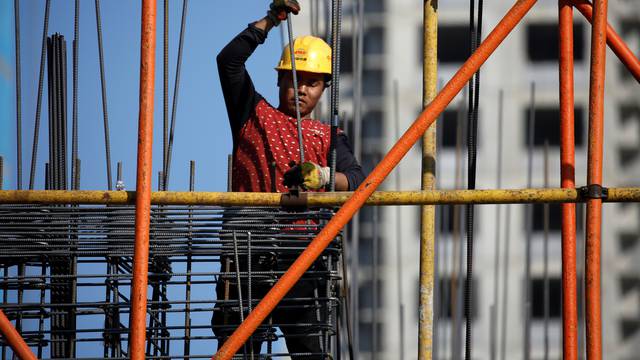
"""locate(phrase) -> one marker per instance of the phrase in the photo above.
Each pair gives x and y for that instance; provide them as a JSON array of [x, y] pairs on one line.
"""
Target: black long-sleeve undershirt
[[241, 97]]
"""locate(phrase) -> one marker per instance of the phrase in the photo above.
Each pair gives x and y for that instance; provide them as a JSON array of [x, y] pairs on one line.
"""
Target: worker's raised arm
[[238, 90]]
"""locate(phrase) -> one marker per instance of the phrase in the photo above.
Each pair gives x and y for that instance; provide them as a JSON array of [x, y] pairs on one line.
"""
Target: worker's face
[[310, 88]]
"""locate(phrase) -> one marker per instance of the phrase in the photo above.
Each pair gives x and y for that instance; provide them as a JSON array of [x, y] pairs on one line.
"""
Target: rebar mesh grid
[[66, 275]]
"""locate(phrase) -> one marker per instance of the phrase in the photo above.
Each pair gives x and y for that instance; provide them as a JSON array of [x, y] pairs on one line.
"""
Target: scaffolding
[[152, 223]]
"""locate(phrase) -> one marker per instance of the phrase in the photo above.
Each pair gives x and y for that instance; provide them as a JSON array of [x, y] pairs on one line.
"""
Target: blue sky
[[202, 131]]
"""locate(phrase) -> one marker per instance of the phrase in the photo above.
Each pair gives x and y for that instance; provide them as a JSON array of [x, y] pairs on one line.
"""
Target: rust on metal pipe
[[617, 45], [428, 212], [594, 177], [567, 181], [378, 198], [137, 319], [13, 338], [375, 178]]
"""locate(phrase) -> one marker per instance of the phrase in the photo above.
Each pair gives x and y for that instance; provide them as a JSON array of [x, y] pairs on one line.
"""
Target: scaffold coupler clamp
[[294, 199], [593, 191]]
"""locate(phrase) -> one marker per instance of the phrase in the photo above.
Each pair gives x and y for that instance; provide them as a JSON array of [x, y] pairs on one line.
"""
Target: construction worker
[[264, 134], [265, 143]]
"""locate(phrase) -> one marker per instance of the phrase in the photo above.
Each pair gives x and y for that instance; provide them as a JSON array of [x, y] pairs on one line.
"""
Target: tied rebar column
[[63, 324]]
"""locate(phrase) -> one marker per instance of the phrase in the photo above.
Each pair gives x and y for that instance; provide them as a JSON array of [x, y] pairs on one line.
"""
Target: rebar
[[336, 23], [16, 9], [103, 87], [165, 85], [74, 142], [529, 227], [545, 255], [190, 238], [294, 75], [496, 263], [176, 92], [36, 126], [472, 136], [399, 275]]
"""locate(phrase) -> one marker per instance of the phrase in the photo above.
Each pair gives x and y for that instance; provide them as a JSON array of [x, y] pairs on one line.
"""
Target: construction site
[[452, 180]]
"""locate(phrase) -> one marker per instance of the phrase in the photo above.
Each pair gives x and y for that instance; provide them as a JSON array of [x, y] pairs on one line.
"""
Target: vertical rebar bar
[[119, 181], [103, 86], [529, 226], [51, 78], [74, 126], [457, 250], [358, 50], [472, 135], [545, 255], [375, 264], [1, 172], [76, 179], [295, 86], [399, 263], [505, 283], [336, 23], [165, 85], [187, 306], [496, 263], [36, 126], [16, 9], [63, 115], [249, 292], [5, 289], [47, 177], [176, 92], [236, 259]]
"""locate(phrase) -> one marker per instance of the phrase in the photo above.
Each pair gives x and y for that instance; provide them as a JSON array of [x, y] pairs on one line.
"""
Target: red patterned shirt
[[268, 137]]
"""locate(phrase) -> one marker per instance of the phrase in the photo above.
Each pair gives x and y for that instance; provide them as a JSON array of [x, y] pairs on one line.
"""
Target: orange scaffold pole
[[393, 157], [594, 181], [137, 320], [567, 174], [616, 43], [19, 347]]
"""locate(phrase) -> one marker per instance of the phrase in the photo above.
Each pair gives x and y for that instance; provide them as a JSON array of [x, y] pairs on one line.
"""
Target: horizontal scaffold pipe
[[380, 198]]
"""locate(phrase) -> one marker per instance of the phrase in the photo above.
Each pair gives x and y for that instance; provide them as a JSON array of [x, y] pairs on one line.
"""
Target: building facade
[[525, 63]]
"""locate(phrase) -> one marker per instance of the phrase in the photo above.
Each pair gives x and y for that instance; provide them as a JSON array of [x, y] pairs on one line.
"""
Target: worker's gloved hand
[[308, 175], [279, 10]]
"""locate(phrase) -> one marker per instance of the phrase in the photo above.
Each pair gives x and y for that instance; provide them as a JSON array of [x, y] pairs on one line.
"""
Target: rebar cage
[[67, 271]]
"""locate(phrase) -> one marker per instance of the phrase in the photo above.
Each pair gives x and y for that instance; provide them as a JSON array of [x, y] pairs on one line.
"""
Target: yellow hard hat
[[312, 55]]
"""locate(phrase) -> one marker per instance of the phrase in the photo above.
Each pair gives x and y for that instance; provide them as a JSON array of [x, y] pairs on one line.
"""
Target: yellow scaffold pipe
[[380, 198], [427, 212]]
